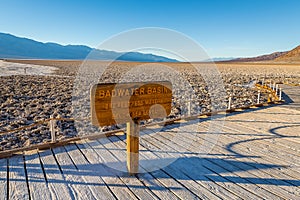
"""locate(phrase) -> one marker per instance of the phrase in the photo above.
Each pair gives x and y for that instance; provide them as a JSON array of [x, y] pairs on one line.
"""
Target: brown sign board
[[113, 103]]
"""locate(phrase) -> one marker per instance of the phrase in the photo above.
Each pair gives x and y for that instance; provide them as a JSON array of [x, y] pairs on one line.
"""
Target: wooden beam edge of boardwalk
[[43, 146], [9, 153]]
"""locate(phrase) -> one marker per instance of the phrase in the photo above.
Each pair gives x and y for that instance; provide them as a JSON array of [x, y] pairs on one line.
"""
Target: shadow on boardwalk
[[188, 168]]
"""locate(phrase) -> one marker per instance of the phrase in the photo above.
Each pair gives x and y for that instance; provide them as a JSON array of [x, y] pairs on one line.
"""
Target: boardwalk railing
[[273, 97]]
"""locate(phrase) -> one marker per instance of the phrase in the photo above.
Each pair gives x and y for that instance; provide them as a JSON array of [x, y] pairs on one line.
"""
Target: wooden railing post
[[189, 108], [52, 130], [276, 89], [132, 139], [258, 97], [269, 96], [280, 94], [229, 101]]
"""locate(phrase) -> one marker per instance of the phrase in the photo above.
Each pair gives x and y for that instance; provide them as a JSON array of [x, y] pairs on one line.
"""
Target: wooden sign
[[119, 103], [129, 103]]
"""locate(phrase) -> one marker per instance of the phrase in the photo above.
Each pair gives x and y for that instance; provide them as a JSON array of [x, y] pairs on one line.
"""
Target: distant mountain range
[[24, 48], [290, 56], [219, 59], [285, 56], [267, 57]]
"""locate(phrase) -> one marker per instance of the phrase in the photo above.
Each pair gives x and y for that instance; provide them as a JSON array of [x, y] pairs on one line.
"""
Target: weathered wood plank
[[37, 184], [147, 179], [285, 184], [291, 96], [287, 134], [287, 127], [257, 150], [192, 171], [42, 146], [17, 179], [258, 136], [208, 168], [110, 186], [93, 173], [197, 173], [266, 179], [175, 187], [3, 179], [58, 186], [210, 165], [272, 178], [184, 189], [135, 185], [268, 154], [74, 177]]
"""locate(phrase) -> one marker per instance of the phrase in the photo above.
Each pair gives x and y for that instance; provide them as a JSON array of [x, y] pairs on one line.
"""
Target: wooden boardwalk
[[291, 94], [256, 155]]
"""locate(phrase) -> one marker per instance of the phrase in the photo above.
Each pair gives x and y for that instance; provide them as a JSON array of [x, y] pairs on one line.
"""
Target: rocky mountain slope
[[290, 56]]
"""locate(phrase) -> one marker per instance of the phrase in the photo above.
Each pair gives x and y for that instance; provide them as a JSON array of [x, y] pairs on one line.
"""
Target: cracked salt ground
[[8, 69]]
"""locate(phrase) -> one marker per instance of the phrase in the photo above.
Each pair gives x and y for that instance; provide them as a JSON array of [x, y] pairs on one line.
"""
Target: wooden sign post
[[132, 140], [130, 103]]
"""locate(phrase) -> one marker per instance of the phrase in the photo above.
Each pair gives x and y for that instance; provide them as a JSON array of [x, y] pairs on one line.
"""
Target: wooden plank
[[17, 179], [248, 182], [76, 178], [286, 184], [207, 189], [273, 179], [215, 169], [109, 185], [264, 155], [58, 186], [204, 167], [37, 183], [274, 114], [267, 154], [281, 145], [184, 189], [149, 181], [130, 101], [42, 146], [289, 121], [269, 183], [134, 184], [132, 140], [160, 176], [3, 179], [93, 174], [292, 97]]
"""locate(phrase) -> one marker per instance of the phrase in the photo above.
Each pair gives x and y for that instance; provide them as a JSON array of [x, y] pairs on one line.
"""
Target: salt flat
[[8, 69]]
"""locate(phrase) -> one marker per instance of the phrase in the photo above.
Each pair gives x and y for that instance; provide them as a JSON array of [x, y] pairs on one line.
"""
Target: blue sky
[[225, 28]]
